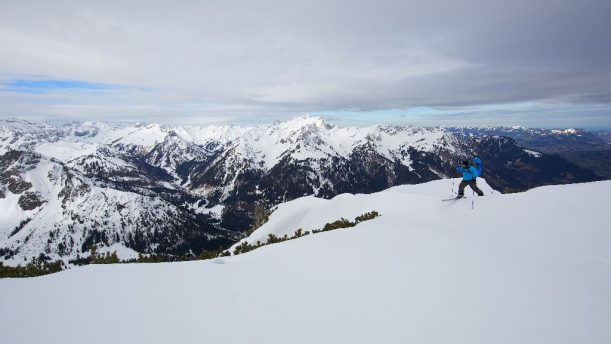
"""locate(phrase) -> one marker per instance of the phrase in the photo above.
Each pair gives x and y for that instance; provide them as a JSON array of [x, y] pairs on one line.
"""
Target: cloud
[[278, 58]]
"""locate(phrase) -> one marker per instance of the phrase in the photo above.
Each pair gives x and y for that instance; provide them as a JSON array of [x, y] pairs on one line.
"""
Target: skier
[[469, 177]]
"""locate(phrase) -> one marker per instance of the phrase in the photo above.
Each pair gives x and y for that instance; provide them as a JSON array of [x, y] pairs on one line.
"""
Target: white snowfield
[[532, 267]]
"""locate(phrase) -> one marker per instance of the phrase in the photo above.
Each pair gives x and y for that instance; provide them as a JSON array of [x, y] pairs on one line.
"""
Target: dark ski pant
[[472, 183]]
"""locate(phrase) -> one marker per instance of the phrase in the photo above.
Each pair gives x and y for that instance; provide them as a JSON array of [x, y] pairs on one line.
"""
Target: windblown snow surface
[[532, 267]]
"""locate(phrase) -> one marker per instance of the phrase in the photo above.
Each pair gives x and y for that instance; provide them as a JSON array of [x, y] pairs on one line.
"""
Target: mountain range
[[148, 188]]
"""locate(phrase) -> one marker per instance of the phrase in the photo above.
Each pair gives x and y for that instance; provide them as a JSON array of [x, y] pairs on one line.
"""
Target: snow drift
[[533, 267]]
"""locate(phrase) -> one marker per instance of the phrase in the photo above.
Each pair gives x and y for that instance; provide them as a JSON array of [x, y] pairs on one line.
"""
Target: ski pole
[[452, 177], [452, 194], [473, 199]]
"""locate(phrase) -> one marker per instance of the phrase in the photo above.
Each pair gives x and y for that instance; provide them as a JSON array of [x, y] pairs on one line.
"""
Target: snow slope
[[309, 213], [532, 267]]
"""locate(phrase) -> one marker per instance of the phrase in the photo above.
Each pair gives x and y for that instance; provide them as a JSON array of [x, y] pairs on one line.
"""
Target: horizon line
[[326, 119]]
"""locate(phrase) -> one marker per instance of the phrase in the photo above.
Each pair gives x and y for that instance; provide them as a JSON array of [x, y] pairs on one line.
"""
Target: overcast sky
[[519, 62]]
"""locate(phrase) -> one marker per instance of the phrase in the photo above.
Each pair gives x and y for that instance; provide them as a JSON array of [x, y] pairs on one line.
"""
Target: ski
[[453, 199]]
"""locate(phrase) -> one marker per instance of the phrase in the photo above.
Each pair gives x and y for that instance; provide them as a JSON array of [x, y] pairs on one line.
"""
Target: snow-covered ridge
[[518, 128], [533, 153], [309, 213], [565, 131], [53, 210], [425, 271], [302, 137]]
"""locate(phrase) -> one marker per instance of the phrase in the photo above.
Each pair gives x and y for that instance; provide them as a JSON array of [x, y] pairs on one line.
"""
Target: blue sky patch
[[37, 86]]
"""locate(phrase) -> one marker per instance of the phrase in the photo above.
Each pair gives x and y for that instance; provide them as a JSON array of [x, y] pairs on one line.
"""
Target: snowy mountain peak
[[569, 131], [301, 121]]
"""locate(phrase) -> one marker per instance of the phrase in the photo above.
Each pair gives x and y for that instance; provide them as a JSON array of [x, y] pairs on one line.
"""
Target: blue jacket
[[478, 165], [469, 173]]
